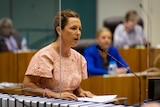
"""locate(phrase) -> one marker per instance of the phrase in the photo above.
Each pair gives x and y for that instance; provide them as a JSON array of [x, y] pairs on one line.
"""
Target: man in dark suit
[[9, 39]]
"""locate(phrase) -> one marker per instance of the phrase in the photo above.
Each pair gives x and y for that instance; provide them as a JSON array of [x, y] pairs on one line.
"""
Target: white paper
[[101, 99]]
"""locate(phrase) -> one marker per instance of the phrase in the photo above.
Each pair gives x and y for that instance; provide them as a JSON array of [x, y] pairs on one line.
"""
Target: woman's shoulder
[[45, 52], [112, 49], [91, 48], [76, 54]]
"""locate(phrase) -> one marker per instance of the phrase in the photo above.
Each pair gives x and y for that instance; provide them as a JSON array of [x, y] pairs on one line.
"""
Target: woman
[[9, 39], [43, 72], [97, 60]]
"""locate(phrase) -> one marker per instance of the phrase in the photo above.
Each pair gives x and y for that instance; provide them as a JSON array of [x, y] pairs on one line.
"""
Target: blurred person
[[43, 72], [9, 38], [151, 104], [98, 61], [129, 33]]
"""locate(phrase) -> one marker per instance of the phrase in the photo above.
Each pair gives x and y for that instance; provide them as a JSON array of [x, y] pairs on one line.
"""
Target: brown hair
[[131, 15], [99, 31], [63, 17]]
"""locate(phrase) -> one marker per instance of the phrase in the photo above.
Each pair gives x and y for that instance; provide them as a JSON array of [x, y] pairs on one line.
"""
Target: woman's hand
[[86, 94], [81, 93], [65, 95], [121, 70]]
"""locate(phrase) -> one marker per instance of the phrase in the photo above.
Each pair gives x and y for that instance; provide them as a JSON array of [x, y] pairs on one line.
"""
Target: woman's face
[[6, 29], [104, 39], [72, 32]]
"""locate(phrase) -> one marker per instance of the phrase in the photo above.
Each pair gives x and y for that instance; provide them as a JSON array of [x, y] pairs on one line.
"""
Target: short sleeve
[[84, 68], [40, 65]]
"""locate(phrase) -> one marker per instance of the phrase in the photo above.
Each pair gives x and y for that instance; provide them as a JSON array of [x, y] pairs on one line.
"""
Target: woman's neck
[[103, 54], [65, 51]]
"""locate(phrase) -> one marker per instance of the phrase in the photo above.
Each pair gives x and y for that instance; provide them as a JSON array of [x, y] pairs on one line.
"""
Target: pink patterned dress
[[46, 64]]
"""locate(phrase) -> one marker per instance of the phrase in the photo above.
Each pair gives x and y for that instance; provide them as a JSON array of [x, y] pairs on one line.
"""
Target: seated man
[[98, 61], [9, 39], [129, 33]]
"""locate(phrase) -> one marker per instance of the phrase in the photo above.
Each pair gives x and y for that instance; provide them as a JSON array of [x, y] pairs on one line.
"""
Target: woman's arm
[[30, 84], [92, 70], [121, 68]]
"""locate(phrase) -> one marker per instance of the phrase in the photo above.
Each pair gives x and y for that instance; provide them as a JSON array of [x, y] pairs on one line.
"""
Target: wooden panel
[[153, 55], [8, 67], [123, 86], [13, 66], [140, 59], [132, 57], [144, 59], [23, 61]]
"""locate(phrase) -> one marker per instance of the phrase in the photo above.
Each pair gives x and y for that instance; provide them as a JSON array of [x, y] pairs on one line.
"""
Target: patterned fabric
[[46, 64]]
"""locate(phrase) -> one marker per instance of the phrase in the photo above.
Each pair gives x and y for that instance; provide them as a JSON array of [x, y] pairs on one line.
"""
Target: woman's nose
[[78, 32]]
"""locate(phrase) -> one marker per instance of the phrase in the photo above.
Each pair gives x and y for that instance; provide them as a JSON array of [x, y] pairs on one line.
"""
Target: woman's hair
[[99, 31], [131, 15], [62, 17]]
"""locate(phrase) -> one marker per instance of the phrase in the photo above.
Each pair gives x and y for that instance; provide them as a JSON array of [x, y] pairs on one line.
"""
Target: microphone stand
[[139, 79]]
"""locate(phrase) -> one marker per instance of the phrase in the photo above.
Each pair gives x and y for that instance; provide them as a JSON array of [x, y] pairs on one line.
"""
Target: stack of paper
[[101, 99]]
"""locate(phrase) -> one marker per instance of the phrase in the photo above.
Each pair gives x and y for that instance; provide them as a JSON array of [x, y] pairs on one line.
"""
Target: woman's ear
[[59, 30]]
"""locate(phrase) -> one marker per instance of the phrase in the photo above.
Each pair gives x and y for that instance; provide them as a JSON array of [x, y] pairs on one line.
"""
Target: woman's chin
[[74, 45], [106, 47]]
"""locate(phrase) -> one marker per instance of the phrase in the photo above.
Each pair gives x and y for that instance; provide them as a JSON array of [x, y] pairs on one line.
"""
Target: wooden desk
[[23, 61], [14, 65], [8, 67], [138, 59], [122, 85]]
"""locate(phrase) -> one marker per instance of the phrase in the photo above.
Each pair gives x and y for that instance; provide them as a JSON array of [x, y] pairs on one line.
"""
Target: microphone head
[[100, 48], [140, 5]]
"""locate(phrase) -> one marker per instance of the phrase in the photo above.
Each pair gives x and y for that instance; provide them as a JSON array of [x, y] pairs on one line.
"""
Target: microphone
[[149, 21], [145, 12], [103, 50], [139, 80]]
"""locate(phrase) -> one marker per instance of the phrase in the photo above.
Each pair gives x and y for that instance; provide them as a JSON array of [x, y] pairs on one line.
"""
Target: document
[[100, 99]]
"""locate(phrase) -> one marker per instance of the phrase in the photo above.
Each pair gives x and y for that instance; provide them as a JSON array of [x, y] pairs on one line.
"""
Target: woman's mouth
[[76, 39]]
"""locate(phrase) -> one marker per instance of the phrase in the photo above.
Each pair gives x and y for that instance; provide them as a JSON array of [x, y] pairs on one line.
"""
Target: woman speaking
[[43, 72]]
